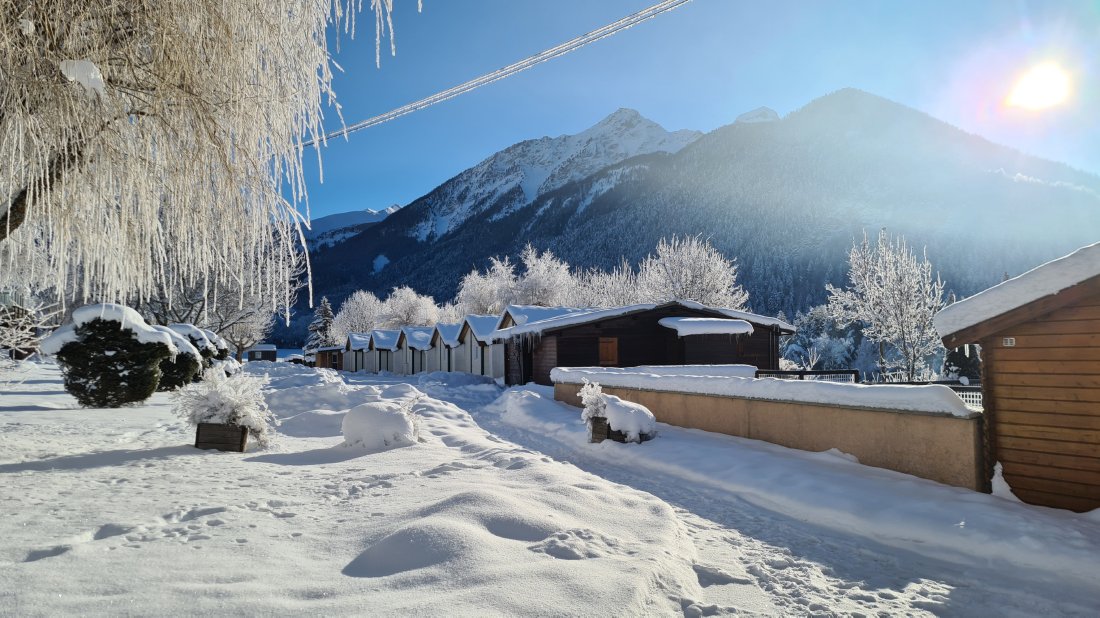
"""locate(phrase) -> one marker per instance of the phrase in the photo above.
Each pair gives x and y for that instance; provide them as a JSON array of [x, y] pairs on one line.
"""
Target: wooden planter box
[[221, 437], [599, 430]]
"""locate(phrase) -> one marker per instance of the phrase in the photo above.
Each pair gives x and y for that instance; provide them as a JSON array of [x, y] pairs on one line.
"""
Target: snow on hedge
[[215, 339], [197, 335], [183, 344], [1045, 280], [929, 399], [125, 316], [706, 326], [381, 425]]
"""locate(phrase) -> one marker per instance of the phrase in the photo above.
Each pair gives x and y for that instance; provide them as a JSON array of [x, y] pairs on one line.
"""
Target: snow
[[196, 335], [125, 316], [381, 425], [380, 262], [358, 341], [927, 399], [26, 26], [717, 371], [230, 401], [685, 327], [329, 223], [484, 327], [628, 417], [85, 73], [182, 344], [448, 333], [1037, 283], [758, 115], [522, 314], [262, 347], [595, 315], [385, 339], [418, 337], [501, 508], [216, 339]]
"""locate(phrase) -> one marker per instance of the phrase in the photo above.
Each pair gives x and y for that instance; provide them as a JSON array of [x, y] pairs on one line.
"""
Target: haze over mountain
[[785, 196]]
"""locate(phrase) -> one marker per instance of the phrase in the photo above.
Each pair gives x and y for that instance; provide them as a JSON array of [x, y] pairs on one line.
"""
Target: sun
[[1042, 86]]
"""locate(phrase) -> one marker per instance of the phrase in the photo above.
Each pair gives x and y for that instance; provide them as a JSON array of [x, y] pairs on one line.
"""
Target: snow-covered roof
[[595, 315], [358, 341], [330, 348], [1045, 280], [125, 316], [483, 327], [262, 347], [197, 336], [448, 333], [418, 337], [706, 326], [384, 339], [522, 314]]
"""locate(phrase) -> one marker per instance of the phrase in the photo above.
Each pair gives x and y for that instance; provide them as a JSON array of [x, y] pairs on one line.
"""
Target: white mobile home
[[357, 352], [383, 343], [479, 354], [444, 341], [413, 346]]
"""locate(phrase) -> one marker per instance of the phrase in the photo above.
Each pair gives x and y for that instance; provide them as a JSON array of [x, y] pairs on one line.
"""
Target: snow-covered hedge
[[110, 356], [234, 400], [184, 368], [381, 425], [929, 399]]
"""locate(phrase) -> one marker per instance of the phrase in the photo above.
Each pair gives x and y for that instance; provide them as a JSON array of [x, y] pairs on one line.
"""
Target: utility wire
[[512, 69]]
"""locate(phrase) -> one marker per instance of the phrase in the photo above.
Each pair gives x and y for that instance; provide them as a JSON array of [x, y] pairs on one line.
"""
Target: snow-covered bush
[[630, 418], [184, 368], [381, 425], [199, 340], [110, 356], [237, 401]]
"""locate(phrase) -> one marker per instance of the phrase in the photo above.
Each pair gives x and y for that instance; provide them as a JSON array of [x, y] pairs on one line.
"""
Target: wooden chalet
[[518, 315], [357, 352], [383, 347], [444, 341], [632, 336], [329, 357], [413, 347], [261, 352], [1040, 345]]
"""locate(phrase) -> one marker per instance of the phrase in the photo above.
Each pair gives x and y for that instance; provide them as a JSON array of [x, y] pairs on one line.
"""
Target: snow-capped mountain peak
[[331, 229], [758, 115], [516, 176]]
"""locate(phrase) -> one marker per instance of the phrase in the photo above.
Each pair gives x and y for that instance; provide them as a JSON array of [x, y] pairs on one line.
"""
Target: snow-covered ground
[[501, 507]]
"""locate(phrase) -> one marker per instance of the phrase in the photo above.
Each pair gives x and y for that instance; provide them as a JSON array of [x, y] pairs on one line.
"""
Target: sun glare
[[1043, 86]]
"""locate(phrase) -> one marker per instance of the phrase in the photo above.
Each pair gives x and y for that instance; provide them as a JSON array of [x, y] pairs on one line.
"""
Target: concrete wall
[[944, 448]]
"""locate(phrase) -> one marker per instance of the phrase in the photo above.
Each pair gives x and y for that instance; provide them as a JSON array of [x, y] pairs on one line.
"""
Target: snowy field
[[501, 508]]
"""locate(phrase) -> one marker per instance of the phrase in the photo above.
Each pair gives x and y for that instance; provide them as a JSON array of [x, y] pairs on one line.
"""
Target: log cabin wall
[[1042, 400]]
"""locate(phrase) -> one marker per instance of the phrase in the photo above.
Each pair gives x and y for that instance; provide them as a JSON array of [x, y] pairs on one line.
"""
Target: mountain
[[787, 197], [333, 229]]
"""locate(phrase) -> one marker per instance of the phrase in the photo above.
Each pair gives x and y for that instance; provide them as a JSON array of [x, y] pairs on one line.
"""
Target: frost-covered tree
[[546, 280], [893, 294], [597, 288], [689, 268], [404, 307], [142, 138], [450, 313], [320, 329], [362, 312], [490, 292]]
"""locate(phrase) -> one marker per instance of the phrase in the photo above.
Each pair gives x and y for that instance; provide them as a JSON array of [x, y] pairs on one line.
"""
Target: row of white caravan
[[468, 347]]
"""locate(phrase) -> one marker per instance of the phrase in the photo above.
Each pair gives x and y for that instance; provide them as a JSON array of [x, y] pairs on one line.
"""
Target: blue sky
[[697, 67]]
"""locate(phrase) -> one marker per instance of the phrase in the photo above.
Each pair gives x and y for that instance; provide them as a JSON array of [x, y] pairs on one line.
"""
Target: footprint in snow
[[711, 576]]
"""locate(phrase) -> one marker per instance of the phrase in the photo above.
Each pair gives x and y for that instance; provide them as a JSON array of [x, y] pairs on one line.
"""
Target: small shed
[[413, 346], [356, 352], [635, 335], [329, 357], [444, 341], [383, 343], [261, 352], [1040, 344], [484, 354]]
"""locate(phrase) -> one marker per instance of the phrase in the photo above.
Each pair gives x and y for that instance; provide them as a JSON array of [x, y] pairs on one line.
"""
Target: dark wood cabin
[[632, 337], [262, 352], [1040, 385], [331, 357]]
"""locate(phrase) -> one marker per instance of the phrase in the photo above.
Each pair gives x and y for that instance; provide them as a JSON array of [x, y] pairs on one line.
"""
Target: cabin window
[[609, 351]]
